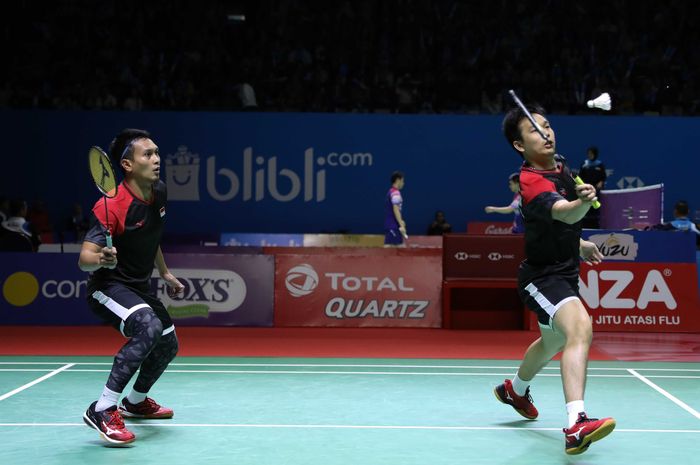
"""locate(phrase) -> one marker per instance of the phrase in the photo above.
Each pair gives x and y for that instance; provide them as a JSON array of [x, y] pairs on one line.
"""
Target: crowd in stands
[[402, 56]]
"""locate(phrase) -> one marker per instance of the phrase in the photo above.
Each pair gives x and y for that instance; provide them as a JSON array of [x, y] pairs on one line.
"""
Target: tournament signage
[[647, 282], [220, 290], [357, 291]]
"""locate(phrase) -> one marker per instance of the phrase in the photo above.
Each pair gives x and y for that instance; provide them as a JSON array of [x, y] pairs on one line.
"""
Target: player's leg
[[516, 392], [128, 312], [137, 403], [573, 321]]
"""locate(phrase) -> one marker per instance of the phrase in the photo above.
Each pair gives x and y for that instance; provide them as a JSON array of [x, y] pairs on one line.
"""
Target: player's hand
[[175, 287], [108, 257], [586, 192], [488, 209], [589, 253]]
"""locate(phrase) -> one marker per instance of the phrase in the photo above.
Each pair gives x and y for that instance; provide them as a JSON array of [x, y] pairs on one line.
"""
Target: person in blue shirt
[[681, 221]]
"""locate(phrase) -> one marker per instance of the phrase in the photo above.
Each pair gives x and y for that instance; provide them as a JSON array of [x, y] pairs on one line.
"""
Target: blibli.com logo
[[258, 178], [301, 280], [22, 288], [206, 291]]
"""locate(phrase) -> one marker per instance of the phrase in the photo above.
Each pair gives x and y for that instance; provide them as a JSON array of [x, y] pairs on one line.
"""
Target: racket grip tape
[[108, 237], [595, 204]]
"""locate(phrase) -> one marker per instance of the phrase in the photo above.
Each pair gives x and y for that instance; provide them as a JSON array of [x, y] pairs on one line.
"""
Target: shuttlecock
[[602, 102]]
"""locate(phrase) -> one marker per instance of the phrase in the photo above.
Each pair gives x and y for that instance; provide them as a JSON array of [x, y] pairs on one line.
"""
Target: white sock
[[573, 408], [520, 386], [136, 397], [108, 399]]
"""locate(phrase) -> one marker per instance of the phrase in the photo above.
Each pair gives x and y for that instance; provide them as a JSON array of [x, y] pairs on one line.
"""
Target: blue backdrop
[[297, 173]]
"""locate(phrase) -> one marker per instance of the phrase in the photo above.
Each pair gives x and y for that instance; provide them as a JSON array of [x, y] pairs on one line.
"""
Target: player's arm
[[571, 212], [397, 215], [174, 286], [94, 256], [589, 252], [502, 210]]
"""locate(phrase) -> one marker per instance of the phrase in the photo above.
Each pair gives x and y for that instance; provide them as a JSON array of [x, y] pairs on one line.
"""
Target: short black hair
[[512, 119], [594, 150], [681, 207], [396, 175], [17, 206], [121, 145]]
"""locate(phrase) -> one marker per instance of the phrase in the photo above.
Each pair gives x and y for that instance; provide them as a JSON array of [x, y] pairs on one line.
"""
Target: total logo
[[259, 177], [22, 288], [301, 280], [206, 291]]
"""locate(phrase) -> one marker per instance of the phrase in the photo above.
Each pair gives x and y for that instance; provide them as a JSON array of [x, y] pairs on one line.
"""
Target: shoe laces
[[115, 420], [528, 396], [152, 404], [582, 418]]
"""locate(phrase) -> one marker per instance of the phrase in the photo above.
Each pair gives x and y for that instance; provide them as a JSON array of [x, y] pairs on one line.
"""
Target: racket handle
[[108, 237], [595, 204]]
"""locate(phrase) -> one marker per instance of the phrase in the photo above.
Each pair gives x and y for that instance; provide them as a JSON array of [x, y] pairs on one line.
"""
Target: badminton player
[[119, 287], [394, 225], [552, 208]]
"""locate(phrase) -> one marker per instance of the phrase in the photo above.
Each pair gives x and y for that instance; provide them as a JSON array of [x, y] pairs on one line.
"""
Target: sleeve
[[99, 214], [97, 232], [538, 195], [396, 198]]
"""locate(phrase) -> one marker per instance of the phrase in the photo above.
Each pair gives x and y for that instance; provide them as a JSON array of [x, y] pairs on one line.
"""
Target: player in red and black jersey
[[552, 208], [119, 288]]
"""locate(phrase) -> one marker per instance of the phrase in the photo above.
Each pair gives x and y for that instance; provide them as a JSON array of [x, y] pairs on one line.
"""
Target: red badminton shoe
[[523, 405], [109, 424], [149, 408], [586, 431]]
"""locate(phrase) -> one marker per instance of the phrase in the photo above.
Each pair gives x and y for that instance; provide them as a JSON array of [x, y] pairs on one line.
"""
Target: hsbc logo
[[497, 256], [461, 256], [301, 280]]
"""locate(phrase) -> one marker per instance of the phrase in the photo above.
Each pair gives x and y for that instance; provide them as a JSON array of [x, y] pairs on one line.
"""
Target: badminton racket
[[105, 180]]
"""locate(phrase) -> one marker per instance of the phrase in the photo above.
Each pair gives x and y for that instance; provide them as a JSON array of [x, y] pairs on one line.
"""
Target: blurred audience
[[408, 56]]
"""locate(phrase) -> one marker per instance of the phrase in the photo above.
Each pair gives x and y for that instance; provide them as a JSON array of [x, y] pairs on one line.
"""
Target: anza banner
[[220, 290], [641, 296], [358, 291], [647, 282]]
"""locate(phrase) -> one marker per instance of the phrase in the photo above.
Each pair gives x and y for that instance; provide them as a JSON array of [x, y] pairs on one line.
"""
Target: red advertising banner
[[658, 297], [490, 227], [640, 297], [358, 291]]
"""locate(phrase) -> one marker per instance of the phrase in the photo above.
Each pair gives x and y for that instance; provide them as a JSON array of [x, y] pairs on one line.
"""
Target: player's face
[[145, 165], [513, 186], [533, 146]]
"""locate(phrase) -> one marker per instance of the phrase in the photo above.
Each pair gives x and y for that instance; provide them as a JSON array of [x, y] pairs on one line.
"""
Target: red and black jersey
[[549, 242], [136, 227]]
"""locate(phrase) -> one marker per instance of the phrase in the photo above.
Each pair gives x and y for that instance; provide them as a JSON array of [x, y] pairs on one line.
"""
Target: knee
[[581, 333], [144, 323]]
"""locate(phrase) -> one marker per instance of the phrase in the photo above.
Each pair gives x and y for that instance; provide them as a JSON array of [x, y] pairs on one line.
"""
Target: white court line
[[342, 365], [666, 394], [368, 427], [369, 373], [36, 381]]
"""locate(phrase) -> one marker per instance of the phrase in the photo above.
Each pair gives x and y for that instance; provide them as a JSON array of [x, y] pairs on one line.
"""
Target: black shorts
[[393, 237], [544, 294], [115, 302]]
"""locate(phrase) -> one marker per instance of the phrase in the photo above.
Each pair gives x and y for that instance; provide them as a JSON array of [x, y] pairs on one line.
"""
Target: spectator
[[440, 226], [76, 225], [593, 172], [682, 222], [4, 208], [16, 234]]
